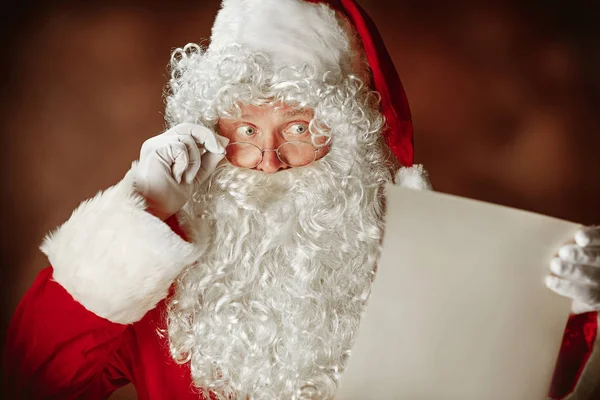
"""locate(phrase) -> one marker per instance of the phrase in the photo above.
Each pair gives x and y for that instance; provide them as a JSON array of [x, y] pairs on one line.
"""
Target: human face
[[268, 127]]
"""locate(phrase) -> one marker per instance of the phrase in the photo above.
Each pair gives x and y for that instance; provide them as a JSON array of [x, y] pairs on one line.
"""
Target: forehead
[[274, 110]]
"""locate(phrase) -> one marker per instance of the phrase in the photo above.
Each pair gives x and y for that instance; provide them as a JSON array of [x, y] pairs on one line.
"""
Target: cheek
[[226, 131], [243, 155], [322, 152]]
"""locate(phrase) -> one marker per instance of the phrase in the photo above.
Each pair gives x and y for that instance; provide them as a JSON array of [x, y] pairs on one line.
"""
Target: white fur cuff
[[114, 258], [415, 177]]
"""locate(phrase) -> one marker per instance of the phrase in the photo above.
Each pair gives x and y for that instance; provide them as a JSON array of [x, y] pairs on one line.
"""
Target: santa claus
[[233, 261]]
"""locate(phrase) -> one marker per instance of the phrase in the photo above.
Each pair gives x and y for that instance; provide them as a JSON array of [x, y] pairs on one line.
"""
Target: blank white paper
[[459, 309]]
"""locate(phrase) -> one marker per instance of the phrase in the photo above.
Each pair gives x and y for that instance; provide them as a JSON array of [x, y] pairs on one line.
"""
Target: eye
[[297, 129], [246, 130]]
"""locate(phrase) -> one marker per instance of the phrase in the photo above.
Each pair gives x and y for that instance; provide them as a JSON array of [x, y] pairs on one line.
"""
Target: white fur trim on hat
[[289, 32], [415, 177], [114, 258]]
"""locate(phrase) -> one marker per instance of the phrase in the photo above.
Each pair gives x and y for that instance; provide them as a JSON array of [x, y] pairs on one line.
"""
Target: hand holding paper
[[577, 271]]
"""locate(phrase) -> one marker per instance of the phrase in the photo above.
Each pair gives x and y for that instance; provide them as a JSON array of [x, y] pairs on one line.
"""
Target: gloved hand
[[576, 271], [172, 163]]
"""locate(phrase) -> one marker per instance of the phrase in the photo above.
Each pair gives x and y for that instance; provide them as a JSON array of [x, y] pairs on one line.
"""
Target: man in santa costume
[[233, 261]]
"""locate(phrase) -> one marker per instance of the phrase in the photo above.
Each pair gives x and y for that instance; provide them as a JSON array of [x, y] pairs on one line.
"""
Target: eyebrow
[[294, 112]]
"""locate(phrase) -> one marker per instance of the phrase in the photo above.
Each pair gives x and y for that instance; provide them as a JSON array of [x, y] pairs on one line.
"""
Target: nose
[[270, 163]]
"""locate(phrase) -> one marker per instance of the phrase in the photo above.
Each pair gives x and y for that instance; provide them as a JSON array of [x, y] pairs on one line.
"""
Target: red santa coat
[[78, 335]]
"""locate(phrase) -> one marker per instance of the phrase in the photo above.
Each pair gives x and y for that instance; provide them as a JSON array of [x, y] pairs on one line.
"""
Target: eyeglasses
[[292, 154]]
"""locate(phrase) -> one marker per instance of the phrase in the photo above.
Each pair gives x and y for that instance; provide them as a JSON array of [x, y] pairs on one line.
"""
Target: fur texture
[[114, 258], [415, 177], [289, 32]]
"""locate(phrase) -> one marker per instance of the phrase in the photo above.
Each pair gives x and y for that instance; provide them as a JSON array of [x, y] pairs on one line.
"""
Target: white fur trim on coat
[[114, 258], [415, 177], [289, 32]]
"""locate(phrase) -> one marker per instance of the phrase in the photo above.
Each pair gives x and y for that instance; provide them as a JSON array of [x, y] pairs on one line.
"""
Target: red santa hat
[[294, 32]]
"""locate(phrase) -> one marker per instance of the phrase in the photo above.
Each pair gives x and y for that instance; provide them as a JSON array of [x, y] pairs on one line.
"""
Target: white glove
[[172, 163], [576, 271]]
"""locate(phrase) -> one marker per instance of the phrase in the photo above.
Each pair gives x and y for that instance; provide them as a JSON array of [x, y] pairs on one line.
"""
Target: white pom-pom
[[415, 177]]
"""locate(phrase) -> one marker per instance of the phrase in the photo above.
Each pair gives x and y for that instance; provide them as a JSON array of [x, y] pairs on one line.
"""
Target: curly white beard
[[270, 310]]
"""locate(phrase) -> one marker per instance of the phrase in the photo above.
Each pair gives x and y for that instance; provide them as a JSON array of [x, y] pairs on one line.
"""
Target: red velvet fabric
[[577, 346], [175, 227], [56, 349]]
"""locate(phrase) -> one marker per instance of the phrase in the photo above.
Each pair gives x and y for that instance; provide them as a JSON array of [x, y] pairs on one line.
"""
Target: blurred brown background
[[504, 99]]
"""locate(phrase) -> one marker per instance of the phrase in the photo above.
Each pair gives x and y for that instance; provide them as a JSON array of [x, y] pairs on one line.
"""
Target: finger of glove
[[208, 165], [580, 255], [208, 139], [581, 273], [203, 136], [194, 154], [589, 236], [175, 157], [150, 147], [586, 294], [222, 140]]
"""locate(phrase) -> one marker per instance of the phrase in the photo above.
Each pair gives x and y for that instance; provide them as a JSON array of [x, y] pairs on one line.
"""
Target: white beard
[[271, 309]]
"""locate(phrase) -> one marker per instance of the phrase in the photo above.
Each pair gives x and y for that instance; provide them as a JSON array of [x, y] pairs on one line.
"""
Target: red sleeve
[[577, 346], [173, 223], [56, 349]]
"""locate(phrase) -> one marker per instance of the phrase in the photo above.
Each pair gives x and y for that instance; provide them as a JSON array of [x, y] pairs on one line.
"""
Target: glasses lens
[[296, 154], [243, 155]]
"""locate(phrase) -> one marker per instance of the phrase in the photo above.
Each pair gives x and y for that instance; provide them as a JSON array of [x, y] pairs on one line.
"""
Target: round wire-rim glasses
[[294, 153]]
